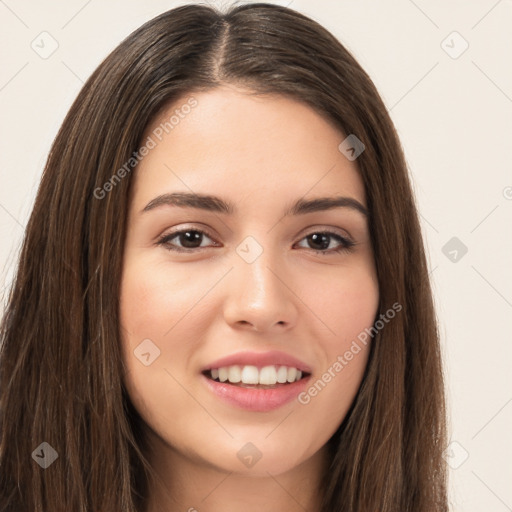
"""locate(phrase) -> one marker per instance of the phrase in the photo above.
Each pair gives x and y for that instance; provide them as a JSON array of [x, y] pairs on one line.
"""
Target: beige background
[[454, 115]]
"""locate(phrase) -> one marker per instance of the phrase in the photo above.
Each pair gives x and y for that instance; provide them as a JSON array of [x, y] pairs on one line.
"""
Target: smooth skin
[[262, 154]]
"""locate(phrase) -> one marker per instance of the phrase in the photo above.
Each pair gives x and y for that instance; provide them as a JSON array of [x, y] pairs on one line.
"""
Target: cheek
[[147, 312], [161, 312], [346, 305], [155, 300], [144, 297], [153, 308], [346, 308]]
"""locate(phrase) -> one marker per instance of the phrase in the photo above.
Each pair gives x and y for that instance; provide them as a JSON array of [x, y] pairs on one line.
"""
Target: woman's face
[[250, 286]]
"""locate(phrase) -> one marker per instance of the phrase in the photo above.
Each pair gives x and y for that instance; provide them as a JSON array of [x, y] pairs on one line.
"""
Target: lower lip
[[253, 399]]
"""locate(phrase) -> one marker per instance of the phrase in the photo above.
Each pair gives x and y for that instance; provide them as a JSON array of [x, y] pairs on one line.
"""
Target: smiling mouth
[[248, 376]]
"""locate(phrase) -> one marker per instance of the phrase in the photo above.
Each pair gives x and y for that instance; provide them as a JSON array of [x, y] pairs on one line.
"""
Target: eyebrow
[[218, 205]]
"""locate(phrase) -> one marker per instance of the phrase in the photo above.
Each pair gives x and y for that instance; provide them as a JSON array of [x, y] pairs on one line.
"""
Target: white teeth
[[223, 374], [292, 373], [282, 374], [234, 374], [268, 375], [250, 375]]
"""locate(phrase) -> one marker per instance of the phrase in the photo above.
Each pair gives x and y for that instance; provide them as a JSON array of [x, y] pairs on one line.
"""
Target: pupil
[[320, 238], [189, 238]]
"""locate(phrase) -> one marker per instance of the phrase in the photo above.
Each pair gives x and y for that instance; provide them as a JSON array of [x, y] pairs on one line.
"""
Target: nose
[[260, 296]]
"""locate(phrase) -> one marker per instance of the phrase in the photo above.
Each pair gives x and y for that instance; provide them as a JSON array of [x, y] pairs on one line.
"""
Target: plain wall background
[[453, 112]]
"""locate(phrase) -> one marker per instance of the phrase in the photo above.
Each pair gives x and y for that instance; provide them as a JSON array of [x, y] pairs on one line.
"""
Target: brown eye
[[189, 240], [320, 241]]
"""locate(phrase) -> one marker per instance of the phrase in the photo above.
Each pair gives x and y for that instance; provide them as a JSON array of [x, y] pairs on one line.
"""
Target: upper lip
[[260, 359]]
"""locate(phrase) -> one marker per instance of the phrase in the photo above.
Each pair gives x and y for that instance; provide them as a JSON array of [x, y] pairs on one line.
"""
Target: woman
[[222, 300]]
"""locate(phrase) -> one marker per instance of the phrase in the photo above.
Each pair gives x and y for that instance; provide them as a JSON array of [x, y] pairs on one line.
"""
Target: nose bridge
[[256, 278], [258, 293]]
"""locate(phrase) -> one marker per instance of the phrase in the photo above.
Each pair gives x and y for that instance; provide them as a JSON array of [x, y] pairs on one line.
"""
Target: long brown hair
[[61, 371]]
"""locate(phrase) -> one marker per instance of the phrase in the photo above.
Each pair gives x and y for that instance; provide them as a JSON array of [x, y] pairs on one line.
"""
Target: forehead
[[232, 139]]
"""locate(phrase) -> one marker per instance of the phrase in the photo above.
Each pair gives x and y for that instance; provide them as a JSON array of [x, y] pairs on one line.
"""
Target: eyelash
[[347, 245]]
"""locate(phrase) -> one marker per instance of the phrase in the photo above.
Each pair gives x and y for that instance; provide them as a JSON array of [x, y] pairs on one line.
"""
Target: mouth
[[250, 376], [256, 389], [256, 381]]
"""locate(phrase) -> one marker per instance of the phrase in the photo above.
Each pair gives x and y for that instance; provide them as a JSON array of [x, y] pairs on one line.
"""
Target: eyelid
[[343, 233], [315, 229], [184, 227]]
